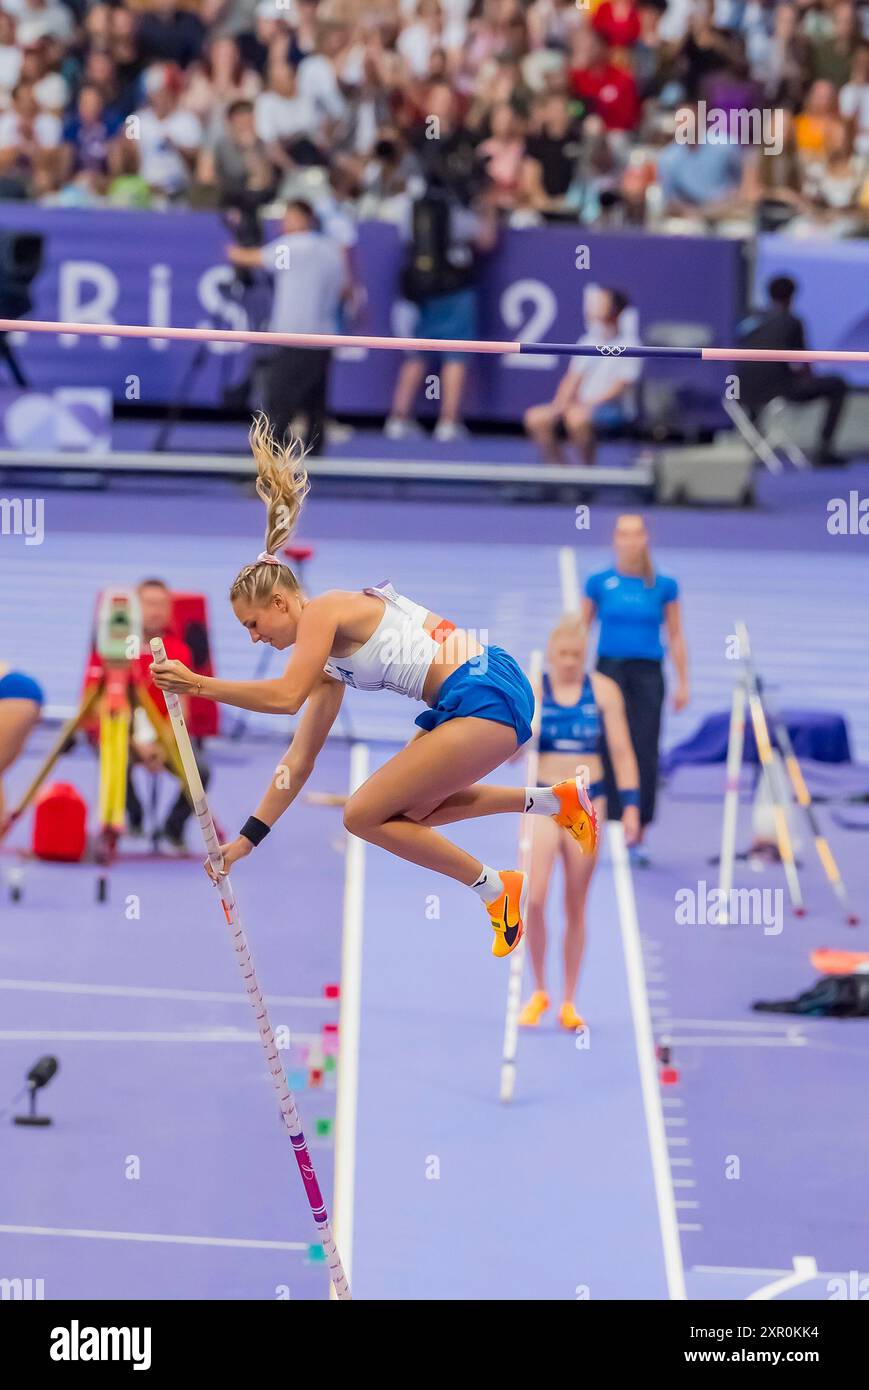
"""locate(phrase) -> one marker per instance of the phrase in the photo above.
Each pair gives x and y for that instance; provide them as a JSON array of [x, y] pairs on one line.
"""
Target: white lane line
[[684, 1182], [213, 1035], [638, 980], [689, 1226], [644, 1039], [671, 1101], [204, 996], [677, 1041], [805, 1268], [569, 579], [349, 1025], [684, 1205], [681, 1163], [753, 1272], [674, 1120], [733, 1025], [153, 1238], [674, 1139]]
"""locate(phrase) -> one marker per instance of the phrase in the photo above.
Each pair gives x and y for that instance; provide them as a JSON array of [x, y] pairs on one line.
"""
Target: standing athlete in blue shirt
[[633, 603]]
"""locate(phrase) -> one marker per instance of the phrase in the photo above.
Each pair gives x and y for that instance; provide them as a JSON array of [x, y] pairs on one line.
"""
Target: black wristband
[[254, 830]]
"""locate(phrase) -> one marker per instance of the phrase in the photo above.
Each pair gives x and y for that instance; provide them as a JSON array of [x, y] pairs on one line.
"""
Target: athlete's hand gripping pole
[[286, 1099]]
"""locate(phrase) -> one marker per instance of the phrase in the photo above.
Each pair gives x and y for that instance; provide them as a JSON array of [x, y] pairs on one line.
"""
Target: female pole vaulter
[[479, 708]]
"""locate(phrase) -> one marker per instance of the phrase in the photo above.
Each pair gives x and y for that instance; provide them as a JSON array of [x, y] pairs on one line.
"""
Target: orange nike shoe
[[569, 1018], [507, 912], [534, 1010], [577, 814]]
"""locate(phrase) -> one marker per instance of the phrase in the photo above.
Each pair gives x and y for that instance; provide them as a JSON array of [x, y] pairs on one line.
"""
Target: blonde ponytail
[[282, 483]]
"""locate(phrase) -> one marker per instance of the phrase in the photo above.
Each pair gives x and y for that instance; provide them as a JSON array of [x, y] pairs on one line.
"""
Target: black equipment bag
[[432, 267], [835, 996]]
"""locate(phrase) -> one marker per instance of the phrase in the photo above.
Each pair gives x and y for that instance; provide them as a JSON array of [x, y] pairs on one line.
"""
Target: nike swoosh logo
[[511, 930]]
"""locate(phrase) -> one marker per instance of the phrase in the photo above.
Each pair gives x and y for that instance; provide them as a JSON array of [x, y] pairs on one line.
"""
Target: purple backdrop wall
[[141, 267], [833, 293]]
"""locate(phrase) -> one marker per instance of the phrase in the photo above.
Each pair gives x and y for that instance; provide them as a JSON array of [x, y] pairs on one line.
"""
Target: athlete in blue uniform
[[575, 707], [633, 602], [21, 700]]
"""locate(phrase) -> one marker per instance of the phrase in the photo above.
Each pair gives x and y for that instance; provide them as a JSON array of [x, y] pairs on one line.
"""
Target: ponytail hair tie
[[267, 559]]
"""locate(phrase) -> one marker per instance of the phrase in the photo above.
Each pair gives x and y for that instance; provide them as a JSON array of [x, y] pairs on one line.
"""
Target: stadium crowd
[[564, 109]]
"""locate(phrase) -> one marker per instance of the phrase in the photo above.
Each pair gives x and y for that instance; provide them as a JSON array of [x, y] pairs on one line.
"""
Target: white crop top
[[398, 653]]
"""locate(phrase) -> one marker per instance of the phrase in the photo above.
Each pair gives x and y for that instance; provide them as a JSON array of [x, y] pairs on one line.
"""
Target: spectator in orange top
[[618, 22], [818, 123], [606, 89]]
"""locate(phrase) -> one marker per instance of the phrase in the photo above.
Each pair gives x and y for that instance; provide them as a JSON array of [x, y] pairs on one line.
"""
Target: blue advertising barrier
[[832, 296], [171, 267]]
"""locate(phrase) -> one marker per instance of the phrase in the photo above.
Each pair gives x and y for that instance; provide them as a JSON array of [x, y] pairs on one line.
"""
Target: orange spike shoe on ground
[[534, 1010], [507, 912], [569, 1018], [577, 814]]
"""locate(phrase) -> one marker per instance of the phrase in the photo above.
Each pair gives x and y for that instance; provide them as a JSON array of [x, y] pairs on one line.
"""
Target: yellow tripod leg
[[105, 798], [114, 751], [120, 755]]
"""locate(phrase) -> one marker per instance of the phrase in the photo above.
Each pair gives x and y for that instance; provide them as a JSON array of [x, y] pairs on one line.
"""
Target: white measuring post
[[517, 957], [735, 746], [771, 773]]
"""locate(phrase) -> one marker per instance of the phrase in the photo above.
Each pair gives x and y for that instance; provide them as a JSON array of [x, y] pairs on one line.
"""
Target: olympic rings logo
[[611, 349]]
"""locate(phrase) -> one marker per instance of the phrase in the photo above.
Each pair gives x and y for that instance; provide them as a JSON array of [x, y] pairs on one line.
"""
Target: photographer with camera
[[309, 276], [449, 224]]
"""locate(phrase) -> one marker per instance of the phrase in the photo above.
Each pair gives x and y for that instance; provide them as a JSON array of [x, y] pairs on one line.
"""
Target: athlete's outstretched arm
[[285, 695], [295, 767]]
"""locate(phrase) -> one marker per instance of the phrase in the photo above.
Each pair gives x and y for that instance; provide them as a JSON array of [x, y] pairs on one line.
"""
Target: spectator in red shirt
[[608, 90], [617, 22], [156, 602]]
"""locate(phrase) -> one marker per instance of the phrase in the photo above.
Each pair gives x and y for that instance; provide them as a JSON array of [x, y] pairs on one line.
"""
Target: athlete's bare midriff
[[459, 647]]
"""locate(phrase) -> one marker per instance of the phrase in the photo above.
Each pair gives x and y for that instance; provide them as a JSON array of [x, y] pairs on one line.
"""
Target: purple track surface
[[767, 1132]]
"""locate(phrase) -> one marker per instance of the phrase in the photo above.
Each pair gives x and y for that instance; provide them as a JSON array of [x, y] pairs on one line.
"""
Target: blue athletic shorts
[[492, 686], [609, 415], [16, 686], [449, 316]]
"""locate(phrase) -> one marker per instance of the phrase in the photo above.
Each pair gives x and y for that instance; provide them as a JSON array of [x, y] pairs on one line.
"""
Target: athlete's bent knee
[[358, 819]]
